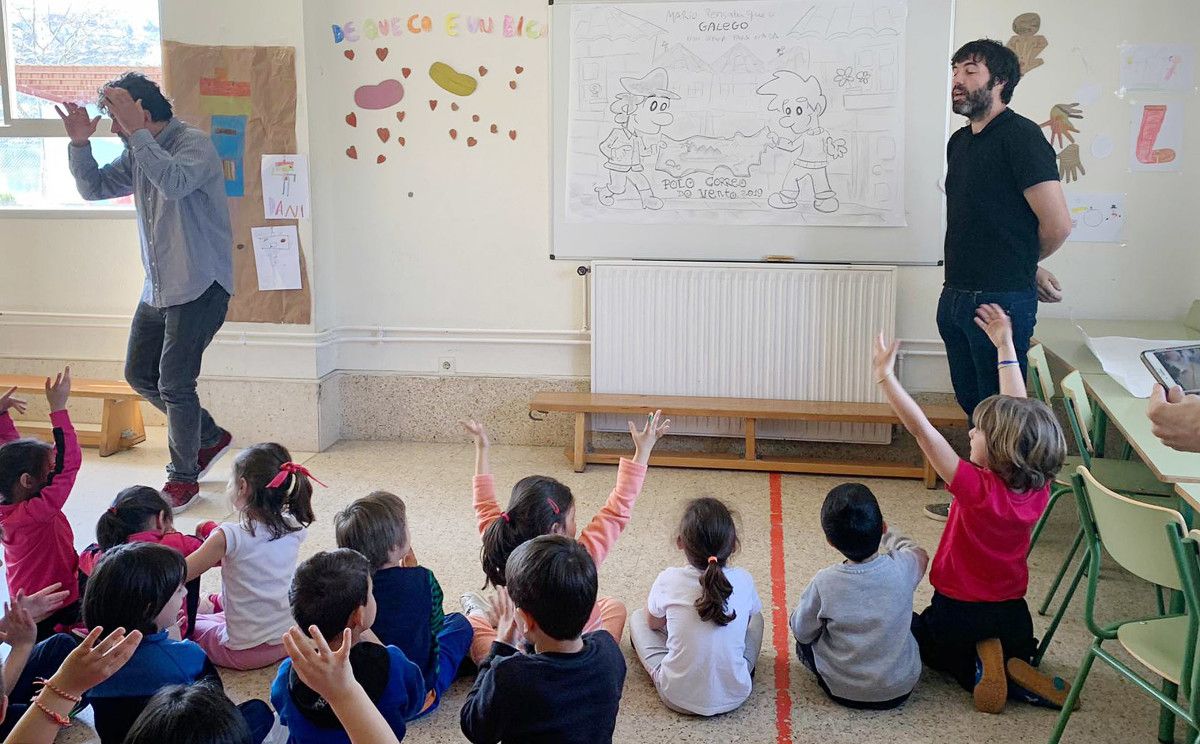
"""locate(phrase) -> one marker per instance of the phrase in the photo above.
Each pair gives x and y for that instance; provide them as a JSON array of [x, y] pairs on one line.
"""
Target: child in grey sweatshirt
[[852, 625]]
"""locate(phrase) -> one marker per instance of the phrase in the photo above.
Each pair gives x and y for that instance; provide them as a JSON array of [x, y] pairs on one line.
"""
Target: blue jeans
[[162, 363], [453, 644], [971, 354]]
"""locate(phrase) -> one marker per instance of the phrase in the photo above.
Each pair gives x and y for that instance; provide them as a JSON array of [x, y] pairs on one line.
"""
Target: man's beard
[[975, 104]]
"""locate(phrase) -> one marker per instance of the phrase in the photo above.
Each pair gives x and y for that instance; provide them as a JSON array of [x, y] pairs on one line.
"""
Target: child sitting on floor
[[139, 586], [541, 506], [569, 689], [140, 514], [257, 553], [35, 480], [852, 624], [408, 596], [332, 592], [977, 627], [701, 631]]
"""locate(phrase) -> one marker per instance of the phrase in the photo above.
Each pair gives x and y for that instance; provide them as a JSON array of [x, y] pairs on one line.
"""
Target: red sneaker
[[209, 455], [180, 495]]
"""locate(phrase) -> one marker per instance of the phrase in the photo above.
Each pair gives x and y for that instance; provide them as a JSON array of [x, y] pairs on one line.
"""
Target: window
[[64, 50]]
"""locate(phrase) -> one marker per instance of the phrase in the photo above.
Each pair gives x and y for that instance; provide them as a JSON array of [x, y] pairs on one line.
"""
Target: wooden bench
[[751, 410], [120, 425]]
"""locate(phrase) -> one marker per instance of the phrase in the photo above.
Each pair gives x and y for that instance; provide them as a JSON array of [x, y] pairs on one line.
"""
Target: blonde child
[[542, 506], [257, 553], [35, 480], [701, 631], [978, 627]]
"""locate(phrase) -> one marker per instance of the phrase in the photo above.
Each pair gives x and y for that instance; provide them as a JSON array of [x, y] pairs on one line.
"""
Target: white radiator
[[782, 331]]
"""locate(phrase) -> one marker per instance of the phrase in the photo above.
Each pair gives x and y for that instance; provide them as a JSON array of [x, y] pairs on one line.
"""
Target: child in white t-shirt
[[702, 628]]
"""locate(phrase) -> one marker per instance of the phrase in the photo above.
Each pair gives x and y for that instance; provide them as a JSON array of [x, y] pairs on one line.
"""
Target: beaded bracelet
[[58, 718], [45, 684]]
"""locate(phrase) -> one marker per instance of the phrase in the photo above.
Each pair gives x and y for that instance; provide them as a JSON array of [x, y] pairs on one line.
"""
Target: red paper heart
[[405, 71], [349, 54], [381, 158], [471, 141], [475, 118], [382, 53], [512, 134], [512, 84], [383, 134], [352, 119], [495, 129], [432, 105], [352, 153], [520, 69], [453, 134], [400, 140], [482, 71], [399, 116]]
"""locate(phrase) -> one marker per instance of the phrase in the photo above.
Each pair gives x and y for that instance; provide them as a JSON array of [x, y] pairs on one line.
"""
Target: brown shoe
[[1031, 686], [991, 683]]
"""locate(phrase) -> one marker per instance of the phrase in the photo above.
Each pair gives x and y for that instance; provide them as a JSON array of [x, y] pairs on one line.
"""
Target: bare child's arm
[[998, 326], [941, 455], [479, 434]]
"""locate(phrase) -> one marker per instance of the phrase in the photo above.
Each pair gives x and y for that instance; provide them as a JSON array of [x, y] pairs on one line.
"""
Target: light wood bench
[[751, 410], [120, 426]]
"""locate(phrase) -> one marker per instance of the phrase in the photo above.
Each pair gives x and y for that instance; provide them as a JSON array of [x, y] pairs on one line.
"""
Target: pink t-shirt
[[981, 557]]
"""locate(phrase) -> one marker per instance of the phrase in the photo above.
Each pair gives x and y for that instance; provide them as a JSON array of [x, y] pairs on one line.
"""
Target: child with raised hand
[[540, 505], [257, 554], [408, 596], [569, 689], [35, 480], [27, 660], [977, 627], [852, 622], [701, 631], [140, 586], [331, 592]]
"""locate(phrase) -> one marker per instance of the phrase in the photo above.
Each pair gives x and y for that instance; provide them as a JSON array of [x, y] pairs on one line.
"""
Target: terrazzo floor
[[435, 482]]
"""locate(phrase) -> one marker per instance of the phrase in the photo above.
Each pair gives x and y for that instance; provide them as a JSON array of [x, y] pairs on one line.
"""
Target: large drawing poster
[[752, 113]]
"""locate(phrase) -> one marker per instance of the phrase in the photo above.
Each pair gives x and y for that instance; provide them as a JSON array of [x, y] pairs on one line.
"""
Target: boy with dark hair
[[332, 591], [408, 596], [852, 623], [569, 689]]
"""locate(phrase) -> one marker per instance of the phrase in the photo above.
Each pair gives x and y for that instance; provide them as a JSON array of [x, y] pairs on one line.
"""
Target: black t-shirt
[[991, 232]]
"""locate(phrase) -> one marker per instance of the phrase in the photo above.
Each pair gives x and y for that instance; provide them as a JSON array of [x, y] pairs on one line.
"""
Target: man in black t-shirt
[[1005, 211]]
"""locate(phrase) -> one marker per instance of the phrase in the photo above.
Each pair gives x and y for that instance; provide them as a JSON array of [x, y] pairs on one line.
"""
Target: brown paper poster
[[245, 98]]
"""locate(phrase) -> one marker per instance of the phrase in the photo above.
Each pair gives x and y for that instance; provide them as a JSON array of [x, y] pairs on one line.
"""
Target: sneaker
[[209, 455], [991, 683], [474, 603], [180, 495], [1028, 685], [939, 512]]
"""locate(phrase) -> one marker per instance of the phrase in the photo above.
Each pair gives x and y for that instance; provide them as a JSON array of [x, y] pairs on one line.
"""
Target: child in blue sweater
[[331, 592]]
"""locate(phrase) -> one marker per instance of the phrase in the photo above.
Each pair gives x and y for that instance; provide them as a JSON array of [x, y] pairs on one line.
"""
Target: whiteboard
[[742, 209]]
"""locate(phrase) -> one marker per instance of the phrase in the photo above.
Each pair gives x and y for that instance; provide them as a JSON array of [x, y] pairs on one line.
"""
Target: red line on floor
[[779, 619]]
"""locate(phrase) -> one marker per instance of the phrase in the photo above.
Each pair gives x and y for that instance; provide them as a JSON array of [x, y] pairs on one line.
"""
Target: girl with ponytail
[[139, 514], [257, 554], [540, 505], [702, 628]]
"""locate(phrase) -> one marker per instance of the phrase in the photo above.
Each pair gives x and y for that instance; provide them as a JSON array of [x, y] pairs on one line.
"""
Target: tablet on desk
[[1178, 365]]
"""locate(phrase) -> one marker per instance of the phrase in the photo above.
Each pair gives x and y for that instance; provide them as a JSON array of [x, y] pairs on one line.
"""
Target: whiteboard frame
[[792, 241]]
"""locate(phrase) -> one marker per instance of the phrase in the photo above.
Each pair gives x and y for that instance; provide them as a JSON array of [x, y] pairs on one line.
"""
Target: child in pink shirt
[[35, 480], [977, 627], [540, 505], [140, 514]]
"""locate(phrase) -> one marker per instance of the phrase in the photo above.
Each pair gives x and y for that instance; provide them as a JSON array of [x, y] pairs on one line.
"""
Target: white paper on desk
[[1121, 359], [276, 257], [285, 187]]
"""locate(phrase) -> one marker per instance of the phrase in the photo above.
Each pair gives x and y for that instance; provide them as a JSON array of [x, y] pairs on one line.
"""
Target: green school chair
[[1148, 541], [1040, 383], [1131, 478]]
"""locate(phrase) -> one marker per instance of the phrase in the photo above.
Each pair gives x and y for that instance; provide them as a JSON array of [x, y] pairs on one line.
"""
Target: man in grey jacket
[[175, 176]]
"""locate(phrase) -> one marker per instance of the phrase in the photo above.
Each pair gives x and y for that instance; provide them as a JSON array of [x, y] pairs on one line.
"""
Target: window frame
[[12, 126]]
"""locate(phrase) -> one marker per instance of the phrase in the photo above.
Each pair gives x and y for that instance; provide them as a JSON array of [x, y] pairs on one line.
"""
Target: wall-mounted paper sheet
[[285, 187], [277, 257]]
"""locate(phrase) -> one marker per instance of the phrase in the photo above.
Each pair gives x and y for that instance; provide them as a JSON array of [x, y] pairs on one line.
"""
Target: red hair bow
[[289, 468]]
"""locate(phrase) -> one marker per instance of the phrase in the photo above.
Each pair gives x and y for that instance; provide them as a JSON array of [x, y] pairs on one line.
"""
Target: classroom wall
[[458, 271]]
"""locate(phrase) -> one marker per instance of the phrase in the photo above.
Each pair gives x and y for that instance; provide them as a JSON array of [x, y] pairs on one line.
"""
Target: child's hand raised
[[506, 617], [59, 391], [477, 431], [327, 672], [8, 401], [91, 663], [884, 363], [19, 628], [655, 428], [992, 319], [42, 603]]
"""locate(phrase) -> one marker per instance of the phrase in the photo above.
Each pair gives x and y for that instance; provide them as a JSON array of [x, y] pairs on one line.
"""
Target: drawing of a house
[[615, 44]]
